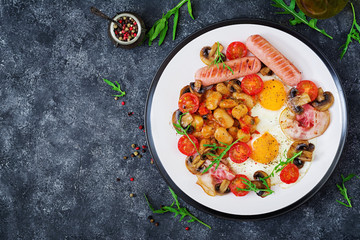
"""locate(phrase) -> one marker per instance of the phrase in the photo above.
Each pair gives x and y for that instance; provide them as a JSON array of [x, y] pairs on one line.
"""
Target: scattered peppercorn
[[143, 146], [152, 220], [136, 153], [122, 103], [116, 98], [157, 224], [132, 195], [187, 228], [131, 179], [133, 145], [152, 161], [132, 155], [118, 179], [137, 148], [125, 157], [139, 156], [141, 127], [150, 217], [143, 151], [130, 113]]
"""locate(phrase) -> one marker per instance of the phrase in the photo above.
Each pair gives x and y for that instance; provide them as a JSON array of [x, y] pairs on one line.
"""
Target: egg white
[[269, 122]]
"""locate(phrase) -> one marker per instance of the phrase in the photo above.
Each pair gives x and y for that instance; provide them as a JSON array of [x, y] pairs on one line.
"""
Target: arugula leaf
[[251, 187], [219, 59], [115, 88], [343, 190], [354, 34], [299, 17], [182, 211], [282, 164], [160, 27], [218, 158]]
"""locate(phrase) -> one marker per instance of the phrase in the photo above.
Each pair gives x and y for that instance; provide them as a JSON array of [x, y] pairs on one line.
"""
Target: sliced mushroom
[[197, 88], [323, 101], [185, 120], [209, 54], [184, 90], [259, 185], [194, 164], [296, 101], [265, 71], [306, 155], [234, 86], [222, 187], [207, 154], [261, 174]]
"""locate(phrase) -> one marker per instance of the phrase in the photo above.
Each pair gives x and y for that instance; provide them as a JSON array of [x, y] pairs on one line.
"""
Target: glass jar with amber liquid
[[321, 9]]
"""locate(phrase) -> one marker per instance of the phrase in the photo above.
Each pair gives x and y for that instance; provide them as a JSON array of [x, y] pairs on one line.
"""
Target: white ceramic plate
[[178, 70]]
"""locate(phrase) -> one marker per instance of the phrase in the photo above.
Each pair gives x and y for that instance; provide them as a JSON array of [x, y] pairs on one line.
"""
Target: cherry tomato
[[252, 84], [308, 87], [203, 109], [289, 174], [236, 50], [236, 183], [186, 147], [188, 102], [239, 152]]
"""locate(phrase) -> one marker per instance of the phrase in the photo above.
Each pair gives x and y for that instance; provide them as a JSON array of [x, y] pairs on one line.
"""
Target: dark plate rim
[[162, 170]]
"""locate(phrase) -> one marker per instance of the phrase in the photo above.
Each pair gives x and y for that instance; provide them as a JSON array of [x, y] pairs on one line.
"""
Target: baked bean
[[239, 111], [223, 118], [227, 103], [221, 135], [213, 100]]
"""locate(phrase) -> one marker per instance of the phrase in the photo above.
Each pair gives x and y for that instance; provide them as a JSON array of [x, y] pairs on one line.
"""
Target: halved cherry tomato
[[186, 147], [308, 87], [252, 84], [289, 174], [236, 183], [203, 109], [239, 152], [188, 102], [236, 50]]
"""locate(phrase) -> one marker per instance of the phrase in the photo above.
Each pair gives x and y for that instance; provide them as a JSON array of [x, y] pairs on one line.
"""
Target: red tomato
[[186, 147], [252, 84], [188, 102], [236, 50], [239, 152], [289, 174], [236, 183], [308, 87], [203, 109]]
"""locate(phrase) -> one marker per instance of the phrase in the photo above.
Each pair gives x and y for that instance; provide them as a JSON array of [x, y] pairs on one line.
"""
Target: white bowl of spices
[[129, 32]]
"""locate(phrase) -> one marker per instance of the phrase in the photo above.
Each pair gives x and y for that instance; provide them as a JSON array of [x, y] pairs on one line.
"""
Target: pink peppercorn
[[131, 179], [122, 103], [187, 228]]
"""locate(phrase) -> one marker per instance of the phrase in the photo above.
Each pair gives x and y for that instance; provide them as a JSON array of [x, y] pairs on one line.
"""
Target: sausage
[[272, 58], [241, 67]]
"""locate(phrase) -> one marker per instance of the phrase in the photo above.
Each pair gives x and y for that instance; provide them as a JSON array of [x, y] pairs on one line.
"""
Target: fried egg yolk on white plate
[[270, 145]]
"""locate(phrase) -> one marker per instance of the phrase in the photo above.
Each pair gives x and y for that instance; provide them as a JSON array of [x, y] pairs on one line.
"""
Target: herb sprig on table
[[183, 131], [354, 34], [178, 210], [219, 59], [343, 189], [115, 88], [218, 158], [161, 26], [299, 17]]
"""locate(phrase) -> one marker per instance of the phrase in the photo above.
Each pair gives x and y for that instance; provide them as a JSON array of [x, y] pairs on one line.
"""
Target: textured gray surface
[[63, 136]]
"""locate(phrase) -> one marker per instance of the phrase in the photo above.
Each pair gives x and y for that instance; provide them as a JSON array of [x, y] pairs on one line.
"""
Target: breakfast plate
[[178, 70]]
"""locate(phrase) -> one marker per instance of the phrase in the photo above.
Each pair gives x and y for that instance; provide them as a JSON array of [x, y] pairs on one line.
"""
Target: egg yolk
[[265, 148], [273, 95]]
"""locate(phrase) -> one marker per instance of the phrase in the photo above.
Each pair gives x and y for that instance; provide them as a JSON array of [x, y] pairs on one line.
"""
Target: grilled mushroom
[[197, 87], [194, 164], [295, 101], [209, 54], [261, 174], [265, 71], [323, 101], [234, 86], [186, 120], [258, 175], [306, 155], [222, 187]]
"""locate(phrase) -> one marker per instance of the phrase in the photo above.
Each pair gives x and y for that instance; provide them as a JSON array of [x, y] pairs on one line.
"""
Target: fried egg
[[270, 145]]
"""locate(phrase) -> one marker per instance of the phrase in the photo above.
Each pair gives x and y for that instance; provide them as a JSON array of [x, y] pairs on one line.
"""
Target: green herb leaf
[[343, 190], [354, 34], [299, 17], [251, 187], [176, 19], [115, 88], [219, 59], [182, 211], [190, 9], [162, 23], [282, 164]]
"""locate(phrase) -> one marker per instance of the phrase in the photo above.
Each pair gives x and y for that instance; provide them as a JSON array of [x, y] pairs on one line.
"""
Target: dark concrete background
[[63, 136]]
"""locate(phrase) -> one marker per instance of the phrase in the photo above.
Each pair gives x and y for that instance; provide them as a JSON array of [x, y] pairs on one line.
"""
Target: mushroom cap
[[326, 102]]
